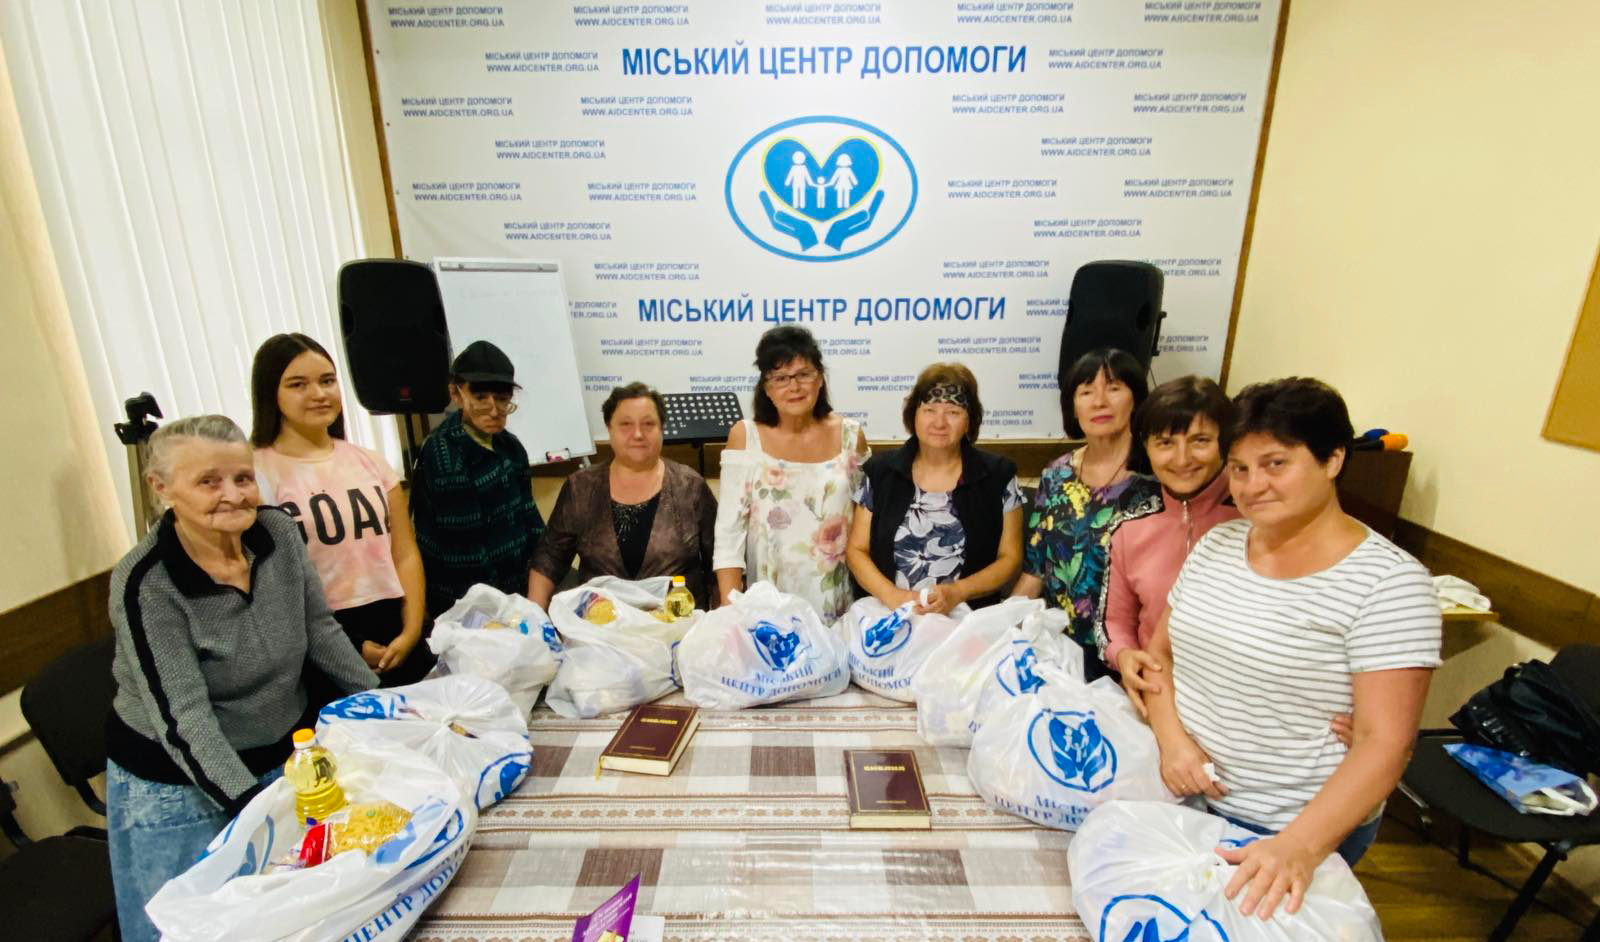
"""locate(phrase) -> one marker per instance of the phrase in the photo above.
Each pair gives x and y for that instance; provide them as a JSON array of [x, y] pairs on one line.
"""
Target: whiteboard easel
[[520, 306]]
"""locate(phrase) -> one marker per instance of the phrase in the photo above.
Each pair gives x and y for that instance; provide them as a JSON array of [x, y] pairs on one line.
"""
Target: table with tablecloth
[[749, 839]]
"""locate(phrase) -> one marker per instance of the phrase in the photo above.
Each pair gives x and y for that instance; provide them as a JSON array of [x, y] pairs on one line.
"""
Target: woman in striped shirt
[[1278, 623]]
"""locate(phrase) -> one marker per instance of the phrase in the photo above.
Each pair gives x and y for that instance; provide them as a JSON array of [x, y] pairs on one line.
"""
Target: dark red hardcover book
[[651, 739], [885, 790]]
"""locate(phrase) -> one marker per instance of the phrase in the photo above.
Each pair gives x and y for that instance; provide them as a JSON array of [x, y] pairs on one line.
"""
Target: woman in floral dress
[[1085, 493], [788, 477], [938, 515]]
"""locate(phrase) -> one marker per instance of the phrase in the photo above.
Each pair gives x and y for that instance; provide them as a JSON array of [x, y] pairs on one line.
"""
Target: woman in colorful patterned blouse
[[788, 477], [1084, 494], [938, 515]]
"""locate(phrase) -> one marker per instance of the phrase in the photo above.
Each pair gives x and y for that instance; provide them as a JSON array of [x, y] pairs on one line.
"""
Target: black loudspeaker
[[392, 319], [1113, 304]]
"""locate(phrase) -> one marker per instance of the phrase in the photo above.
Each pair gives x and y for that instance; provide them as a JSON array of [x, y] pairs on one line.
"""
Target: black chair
[[67, 705], [1436, 782], [56, 888]]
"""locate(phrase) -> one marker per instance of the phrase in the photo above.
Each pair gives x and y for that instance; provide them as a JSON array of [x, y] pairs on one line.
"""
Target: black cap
[[482, 362]]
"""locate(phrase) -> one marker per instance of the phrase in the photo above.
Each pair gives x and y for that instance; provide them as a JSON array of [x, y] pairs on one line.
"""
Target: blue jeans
[[1353, 848], [156, 831]]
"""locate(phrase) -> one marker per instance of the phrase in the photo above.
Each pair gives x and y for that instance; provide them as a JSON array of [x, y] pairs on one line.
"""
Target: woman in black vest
[[937, 515]]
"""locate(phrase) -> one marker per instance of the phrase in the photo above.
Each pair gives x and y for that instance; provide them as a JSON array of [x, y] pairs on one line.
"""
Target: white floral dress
[[788, 522]]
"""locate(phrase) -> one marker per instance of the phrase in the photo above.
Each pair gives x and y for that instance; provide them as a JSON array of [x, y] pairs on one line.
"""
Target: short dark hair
[[272, 358], [938, 374], [1172, 407], [1120, 365], [621, 394], [776, 347], [1296, 411]]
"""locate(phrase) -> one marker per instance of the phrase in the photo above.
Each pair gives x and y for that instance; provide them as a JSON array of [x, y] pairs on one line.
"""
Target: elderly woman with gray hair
[[220, 626]]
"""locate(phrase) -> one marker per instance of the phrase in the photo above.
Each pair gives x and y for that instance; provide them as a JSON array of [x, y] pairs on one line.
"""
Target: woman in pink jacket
[[1181, 425]]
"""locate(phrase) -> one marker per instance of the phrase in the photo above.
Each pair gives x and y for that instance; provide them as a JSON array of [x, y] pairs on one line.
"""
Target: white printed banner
[[912, 180]]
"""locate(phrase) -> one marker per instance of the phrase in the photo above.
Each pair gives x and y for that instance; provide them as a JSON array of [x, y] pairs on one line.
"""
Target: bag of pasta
[[500, 637], [619, 640], [252, 885]]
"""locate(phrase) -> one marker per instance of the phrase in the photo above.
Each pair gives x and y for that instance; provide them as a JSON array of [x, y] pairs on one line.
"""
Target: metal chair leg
[[1554, 853]]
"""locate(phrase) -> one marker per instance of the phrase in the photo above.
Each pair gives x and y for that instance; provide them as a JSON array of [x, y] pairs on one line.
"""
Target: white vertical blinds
[[192, 173]]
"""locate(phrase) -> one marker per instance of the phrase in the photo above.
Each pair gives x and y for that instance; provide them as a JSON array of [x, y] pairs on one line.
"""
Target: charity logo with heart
[[821, 189]]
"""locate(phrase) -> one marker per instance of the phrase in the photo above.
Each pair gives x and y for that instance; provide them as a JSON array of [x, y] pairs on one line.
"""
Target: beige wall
[[56, 489], [1428, 219]]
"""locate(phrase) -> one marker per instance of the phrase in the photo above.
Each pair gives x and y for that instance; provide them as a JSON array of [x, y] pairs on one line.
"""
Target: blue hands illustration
[[790, 225], [848, 226]]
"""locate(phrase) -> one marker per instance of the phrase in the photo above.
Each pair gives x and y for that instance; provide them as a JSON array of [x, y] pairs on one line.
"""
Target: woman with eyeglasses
[[788, 478], [472, 492], [347, 501]]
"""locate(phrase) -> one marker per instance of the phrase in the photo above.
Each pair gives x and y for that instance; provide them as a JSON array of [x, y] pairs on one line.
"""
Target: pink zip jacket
[[1146, 554]]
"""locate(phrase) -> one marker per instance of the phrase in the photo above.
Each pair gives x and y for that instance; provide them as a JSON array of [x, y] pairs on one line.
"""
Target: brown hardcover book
[[651, 739], [885, 790]]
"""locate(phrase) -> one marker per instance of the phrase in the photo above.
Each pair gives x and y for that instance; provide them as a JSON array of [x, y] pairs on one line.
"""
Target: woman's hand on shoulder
[[1268, 871]]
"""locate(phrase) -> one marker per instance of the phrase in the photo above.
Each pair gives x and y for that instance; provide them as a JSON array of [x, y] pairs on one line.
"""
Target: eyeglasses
[[802, 377], [491, 402]]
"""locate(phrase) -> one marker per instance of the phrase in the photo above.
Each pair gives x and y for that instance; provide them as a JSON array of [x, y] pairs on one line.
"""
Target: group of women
[[1279, 648]]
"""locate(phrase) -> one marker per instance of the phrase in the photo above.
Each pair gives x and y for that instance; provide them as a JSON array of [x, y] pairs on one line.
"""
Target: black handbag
[[1533, 711]]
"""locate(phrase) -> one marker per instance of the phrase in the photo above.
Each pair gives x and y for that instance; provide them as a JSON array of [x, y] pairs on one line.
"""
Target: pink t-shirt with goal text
[[341, 503]]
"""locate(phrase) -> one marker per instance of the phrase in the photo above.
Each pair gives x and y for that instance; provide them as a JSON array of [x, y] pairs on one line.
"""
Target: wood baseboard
[[1528, 601]]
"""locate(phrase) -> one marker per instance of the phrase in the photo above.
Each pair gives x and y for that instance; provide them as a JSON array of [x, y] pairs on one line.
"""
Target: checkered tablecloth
[[749, 840]]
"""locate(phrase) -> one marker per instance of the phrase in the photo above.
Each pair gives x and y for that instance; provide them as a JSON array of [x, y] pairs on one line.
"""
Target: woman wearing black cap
[[472, 495]]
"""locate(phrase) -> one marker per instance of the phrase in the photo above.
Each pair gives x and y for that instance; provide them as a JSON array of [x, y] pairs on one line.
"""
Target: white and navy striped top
[[1261, 666]]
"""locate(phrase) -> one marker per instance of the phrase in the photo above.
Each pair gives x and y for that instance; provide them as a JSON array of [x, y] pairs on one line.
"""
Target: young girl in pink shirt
[[348, 502]]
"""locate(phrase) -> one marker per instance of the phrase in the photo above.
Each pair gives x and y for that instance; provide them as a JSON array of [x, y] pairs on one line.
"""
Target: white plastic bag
[[622, 663], [1035, 646], [499, 637], [1056, 754], [226, 898], [947, 687], [1143, 870], [765, 646], [467, 725], [887, 648]]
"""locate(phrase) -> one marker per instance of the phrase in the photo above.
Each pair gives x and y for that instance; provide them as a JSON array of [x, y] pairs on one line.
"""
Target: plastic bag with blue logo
[[765, 646], [1147, 872], [887, 648], [949, 682], [226, 896], [1036, 645], [1525, 784], [500, 637], [619, 647], [465, 724], [1054, 755]]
